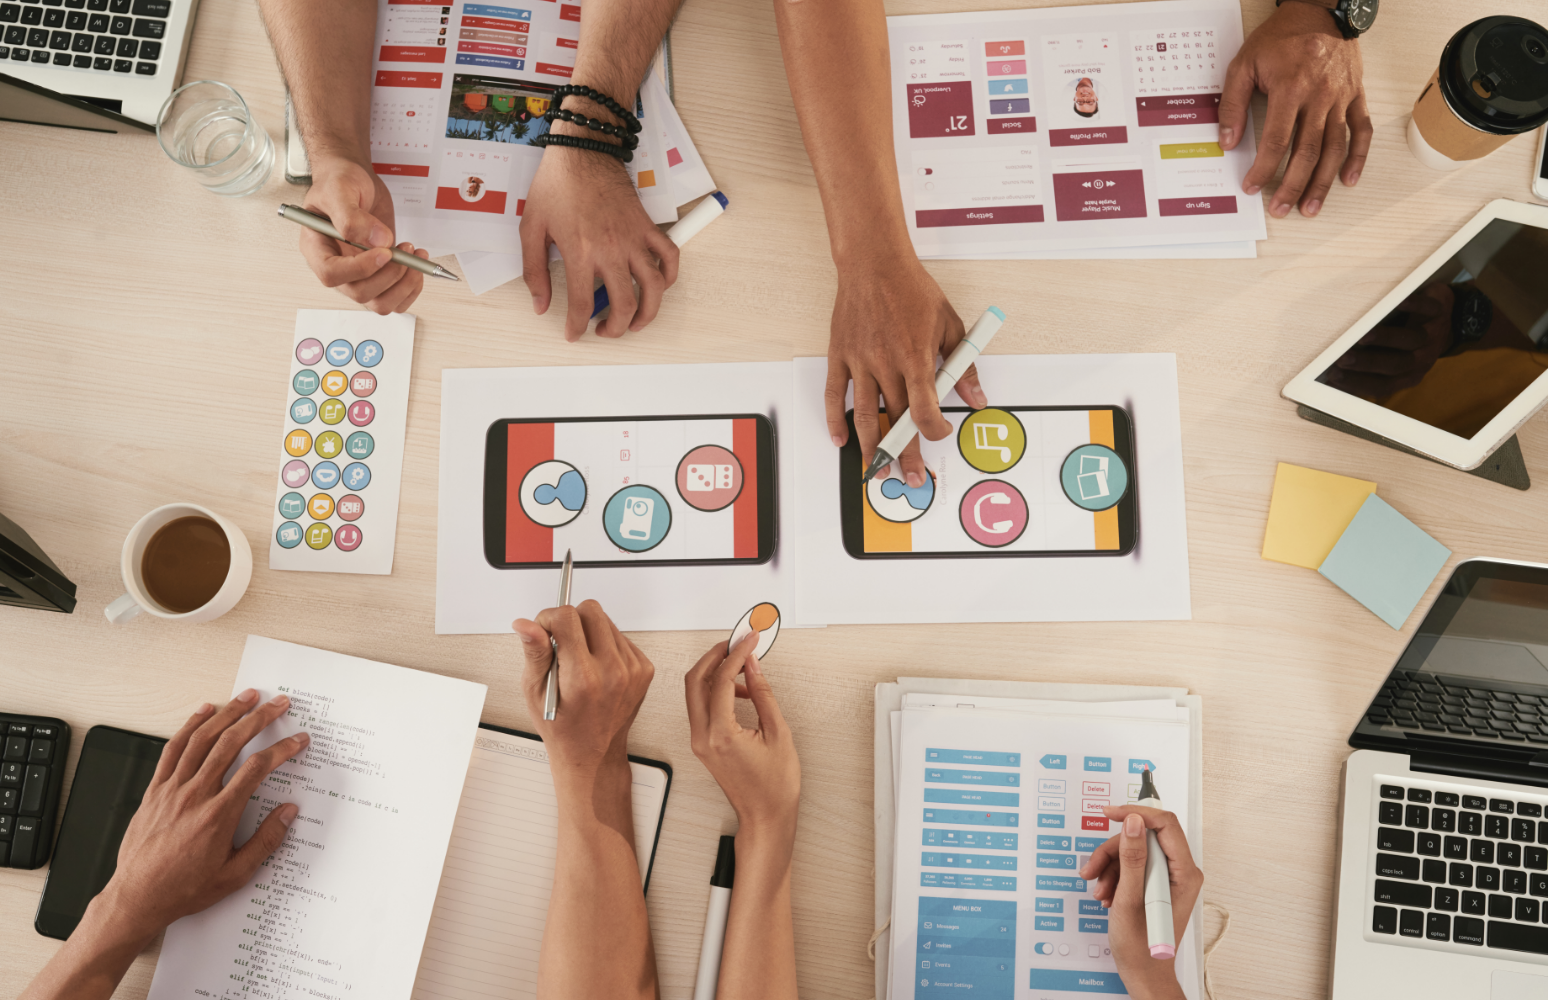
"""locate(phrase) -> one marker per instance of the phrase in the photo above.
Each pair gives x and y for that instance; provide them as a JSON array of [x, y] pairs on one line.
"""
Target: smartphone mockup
[[1008, 481], [630, 491]]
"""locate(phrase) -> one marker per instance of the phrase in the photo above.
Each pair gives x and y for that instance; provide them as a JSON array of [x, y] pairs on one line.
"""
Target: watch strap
[[1327, 5]]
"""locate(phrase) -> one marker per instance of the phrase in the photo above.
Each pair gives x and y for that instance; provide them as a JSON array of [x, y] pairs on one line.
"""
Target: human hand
[[176, 857], [890, 321], [584, 203], [1316, 106], [756, 768], [603, 678], [1118, 870], [1399, 351], [358, 204]]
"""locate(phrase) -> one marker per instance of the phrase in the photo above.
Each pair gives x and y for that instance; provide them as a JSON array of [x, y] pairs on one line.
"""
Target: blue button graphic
[[367, 354], [288, 535], [998, 87], [325, 475], [1053, 761], [1061, 980], [1048, 924], [357, 476], [637, 518], [290, 506], [1048, 905], [1090, 907], [1051, 821], [339, 352], [303, 410], [1137, 765], [1099, 763]]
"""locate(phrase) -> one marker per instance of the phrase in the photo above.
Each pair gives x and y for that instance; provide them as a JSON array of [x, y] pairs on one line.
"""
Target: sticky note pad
[[1384, 561], [1308, 512]]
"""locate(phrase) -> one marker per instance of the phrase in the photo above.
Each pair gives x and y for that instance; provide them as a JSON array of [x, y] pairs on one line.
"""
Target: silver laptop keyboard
[[1459, 869], [108, 36]]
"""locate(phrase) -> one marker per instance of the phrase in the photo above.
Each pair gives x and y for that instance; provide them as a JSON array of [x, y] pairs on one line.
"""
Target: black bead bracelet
[[631, 123], [580, 142]]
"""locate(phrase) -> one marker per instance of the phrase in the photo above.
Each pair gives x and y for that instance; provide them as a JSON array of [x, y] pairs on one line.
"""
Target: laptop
[[124, 56], [1442, 868]]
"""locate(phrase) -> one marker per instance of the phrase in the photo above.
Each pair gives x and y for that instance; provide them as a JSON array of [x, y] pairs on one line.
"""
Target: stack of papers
[[989, 799]]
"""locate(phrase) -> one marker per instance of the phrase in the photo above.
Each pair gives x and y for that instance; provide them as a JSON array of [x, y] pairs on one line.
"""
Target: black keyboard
[[109, 36], [32, 763], [1468, 869], [1421, 703]]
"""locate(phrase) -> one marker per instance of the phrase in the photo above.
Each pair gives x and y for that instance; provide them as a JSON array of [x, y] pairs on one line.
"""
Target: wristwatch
[[1353, 17]]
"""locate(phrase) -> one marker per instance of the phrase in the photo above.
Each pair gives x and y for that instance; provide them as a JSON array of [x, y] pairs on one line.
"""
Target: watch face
[[1361, 14]]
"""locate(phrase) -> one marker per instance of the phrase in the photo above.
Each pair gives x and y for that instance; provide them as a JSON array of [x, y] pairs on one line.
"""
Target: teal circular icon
[[303, 410], [306, 382], [291, 505], [1094, 477], [359, 445], [288, 535], [637, 518]]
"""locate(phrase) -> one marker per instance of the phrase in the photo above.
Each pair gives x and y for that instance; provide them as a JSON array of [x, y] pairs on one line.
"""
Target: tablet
[[1455, 358]]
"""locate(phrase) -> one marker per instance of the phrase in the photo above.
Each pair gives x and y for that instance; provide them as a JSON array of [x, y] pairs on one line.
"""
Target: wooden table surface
[[144, 332]]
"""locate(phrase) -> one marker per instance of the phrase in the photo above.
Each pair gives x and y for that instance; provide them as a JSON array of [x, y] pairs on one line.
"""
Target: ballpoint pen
[[318, 224], [1158, 882], [551, 691]]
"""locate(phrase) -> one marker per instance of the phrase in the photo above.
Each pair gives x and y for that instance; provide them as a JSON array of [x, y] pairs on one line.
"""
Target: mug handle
[[121, 610]]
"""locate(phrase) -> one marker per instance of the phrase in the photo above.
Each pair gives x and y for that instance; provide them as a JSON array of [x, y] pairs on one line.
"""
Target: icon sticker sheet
[[340, 459]]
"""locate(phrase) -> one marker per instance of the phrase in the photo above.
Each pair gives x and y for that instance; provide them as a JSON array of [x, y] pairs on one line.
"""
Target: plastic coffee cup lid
[[1494, 74]]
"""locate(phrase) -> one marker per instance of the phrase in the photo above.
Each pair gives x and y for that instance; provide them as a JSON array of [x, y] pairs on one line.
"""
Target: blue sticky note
[[1384, 561]]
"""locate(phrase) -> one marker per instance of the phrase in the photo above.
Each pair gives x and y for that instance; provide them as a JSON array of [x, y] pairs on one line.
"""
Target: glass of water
[[207, 127]]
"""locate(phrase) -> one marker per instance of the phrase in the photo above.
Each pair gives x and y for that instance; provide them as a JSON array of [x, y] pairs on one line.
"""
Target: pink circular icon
[[361, 413], [350, 507], [709, 478], [362, 384], [295, 473], [309, 351], [347, 537], [993, 513]]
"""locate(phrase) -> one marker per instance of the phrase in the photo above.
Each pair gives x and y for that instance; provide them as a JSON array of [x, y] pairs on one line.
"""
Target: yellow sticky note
[[1308, 513]]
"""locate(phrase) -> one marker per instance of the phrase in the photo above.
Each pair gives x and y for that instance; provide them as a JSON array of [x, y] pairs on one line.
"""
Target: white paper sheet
[[339, 466], [1243, 250], [472, 596], [685, 167], [340, 910], [1149, 584]]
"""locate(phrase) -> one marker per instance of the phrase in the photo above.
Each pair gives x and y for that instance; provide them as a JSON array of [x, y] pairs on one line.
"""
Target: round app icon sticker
[[331, 411], [362, 384], [991, 440], [993, 513], [288, 535], [329, 444], [303, 410], [552, 493], [350, 507], [359, 445], [319, 535], [357, 476], [291, 505], [297, 443], [894, 500], [763, 619], [347, 537], [709, 478], [295, 473], [368, 354], [361, 413], [637, 518], [1094, 477], [334, 383], [309, 351], [305, 383], [320, 507], [325, 475], [339, 352]]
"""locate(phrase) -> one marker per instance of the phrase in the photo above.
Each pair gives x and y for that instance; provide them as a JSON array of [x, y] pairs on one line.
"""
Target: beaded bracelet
[[631, 123], [579, 142]]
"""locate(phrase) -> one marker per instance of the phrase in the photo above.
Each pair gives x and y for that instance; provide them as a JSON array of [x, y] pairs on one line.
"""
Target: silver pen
[[551, 692], [318, 224]]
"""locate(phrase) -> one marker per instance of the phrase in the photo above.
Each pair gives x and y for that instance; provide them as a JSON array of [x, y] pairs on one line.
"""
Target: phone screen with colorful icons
[[1008, 481], [630, 491]]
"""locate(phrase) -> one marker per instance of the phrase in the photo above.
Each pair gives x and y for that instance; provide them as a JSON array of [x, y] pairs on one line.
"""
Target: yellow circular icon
[[331, 411], [334, 383], [318, 536], [329, 444], [297, 443], [991, 440], [320, 507]]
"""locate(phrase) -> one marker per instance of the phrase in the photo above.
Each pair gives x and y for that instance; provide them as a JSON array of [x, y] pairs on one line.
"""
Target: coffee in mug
[[1491, 86], [184, 563]]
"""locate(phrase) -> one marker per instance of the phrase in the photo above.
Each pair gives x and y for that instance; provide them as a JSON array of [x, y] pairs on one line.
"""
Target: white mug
[[137, 600]]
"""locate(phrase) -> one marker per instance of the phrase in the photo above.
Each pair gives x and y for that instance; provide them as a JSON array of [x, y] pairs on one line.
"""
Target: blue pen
[[687, 228]]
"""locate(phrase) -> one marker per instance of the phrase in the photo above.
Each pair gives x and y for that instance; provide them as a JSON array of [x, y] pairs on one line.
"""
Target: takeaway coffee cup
[[1491, 86]]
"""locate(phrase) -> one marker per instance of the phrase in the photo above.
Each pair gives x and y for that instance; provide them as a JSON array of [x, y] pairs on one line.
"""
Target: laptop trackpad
[[1516, 986]]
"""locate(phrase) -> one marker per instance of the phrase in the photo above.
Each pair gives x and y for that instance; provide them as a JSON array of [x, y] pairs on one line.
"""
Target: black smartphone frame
[[60, 921], [495, 484], [851, 514]]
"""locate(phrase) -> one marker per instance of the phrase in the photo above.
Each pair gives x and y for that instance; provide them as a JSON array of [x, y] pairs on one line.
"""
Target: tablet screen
[[1466, 342]]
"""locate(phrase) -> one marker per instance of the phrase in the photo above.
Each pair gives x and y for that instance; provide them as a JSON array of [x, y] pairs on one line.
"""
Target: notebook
[[487, 926]]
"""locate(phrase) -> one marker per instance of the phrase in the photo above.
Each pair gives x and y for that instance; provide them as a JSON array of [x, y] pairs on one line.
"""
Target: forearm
[[618, 40], [324, 51], [840, 78], [597, 895], [758, 959], [94, 959]]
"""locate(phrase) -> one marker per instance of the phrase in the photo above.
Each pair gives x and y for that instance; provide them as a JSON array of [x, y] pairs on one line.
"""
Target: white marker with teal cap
[[966, 353]]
